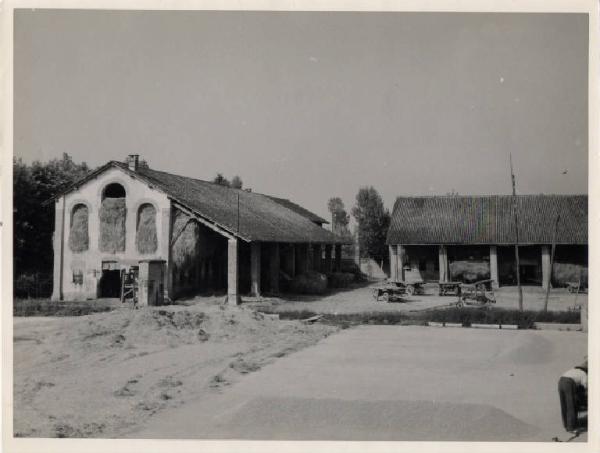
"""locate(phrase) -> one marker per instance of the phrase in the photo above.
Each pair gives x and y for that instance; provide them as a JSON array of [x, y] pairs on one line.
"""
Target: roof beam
[[213, 226]]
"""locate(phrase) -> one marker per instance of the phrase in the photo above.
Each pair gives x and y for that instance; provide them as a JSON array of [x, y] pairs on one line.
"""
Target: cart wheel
[[386, 297], [460, 304], [410, 290]]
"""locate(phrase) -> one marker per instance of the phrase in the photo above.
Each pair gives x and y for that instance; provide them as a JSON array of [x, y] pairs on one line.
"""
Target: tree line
[[372, 219]]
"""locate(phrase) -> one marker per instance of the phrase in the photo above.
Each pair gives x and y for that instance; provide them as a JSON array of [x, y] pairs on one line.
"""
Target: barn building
[[467, 238], [184, 236]]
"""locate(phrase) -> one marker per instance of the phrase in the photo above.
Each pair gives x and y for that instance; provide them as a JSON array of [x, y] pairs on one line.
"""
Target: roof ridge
[[493, 195]]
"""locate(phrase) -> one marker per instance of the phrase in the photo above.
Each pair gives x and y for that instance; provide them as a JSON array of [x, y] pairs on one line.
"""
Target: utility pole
[[238, 212], [551, 261], [516, 219]]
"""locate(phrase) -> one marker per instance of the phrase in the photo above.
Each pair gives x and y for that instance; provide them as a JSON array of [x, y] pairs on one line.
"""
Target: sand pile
[[104, 374]]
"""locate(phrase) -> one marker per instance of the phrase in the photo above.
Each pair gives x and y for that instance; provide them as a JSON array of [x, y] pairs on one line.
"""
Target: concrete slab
[[394, 383]]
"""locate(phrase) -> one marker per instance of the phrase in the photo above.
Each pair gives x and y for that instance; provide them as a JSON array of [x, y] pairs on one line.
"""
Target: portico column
[[443, 258], [494, 266], [393, 262], [233, 297], [401, 258], [338, 258], [328, 264], [274, 267], [546, 271], [255, 269]]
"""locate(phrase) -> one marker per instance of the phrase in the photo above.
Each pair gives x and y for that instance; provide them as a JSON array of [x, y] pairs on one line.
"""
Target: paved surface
[[394, 383]]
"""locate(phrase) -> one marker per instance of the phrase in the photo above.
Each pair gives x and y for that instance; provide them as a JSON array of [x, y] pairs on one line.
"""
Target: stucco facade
[[89, 263]]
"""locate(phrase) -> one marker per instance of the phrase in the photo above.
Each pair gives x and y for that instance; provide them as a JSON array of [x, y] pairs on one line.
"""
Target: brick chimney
[[133, 162]]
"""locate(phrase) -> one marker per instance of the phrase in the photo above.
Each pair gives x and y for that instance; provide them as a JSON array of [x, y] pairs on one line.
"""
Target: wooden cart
[[411, 287], [389, 292], [449, 288], [479, 293]]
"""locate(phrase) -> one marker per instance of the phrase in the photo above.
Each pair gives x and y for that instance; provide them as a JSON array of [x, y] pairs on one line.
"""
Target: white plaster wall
[[90, 261]]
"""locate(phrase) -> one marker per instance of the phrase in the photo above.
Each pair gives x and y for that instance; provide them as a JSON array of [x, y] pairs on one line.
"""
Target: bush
[[524, 319], [464, 316], [45, 307], [309, 283], [341, 279]]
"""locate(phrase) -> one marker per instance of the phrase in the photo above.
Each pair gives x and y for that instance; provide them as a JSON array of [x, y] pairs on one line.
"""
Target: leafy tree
[[236, 182], [33, 220], [339, 217], [373, 221], [221, 180]]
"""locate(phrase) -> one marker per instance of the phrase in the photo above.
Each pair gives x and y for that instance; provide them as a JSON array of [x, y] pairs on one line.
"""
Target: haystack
[[184, 249], [145, 238], [79, 239], [469, 271], [563, 273], [112, 225]]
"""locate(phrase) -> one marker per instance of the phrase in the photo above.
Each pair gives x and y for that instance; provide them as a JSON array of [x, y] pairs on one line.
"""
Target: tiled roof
[[488, 219], [299, 209], [259, 218]]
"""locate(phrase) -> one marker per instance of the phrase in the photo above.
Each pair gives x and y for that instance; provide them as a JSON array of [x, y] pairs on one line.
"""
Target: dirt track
[[360, 300]]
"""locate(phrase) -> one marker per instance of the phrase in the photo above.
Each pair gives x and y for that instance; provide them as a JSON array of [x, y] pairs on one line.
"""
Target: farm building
[[180, 236], [467, 238]]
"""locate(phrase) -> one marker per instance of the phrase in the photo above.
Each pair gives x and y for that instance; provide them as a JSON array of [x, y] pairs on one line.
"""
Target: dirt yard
[[359, 299], [104, 374]]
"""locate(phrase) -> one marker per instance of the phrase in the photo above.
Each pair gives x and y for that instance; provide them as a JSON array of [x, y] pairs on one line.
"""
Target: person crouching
[[572, 390]]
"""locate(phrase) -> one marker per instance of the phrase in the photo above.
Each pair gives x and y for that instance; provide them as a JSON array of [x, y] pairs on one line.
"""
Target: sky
[[311, 105]]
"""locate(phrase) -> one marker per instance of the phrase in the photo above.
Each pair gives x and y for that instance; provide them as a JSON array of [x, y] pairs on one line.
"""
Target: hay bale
[[112, 225], [469, 271], [341, 279], [79, 239], [145, 238], [309, 283]]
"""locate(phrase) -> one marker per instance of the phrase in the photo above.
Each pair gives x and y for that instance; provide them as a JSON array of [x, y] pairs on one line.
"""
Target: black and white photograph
[[299, 225]]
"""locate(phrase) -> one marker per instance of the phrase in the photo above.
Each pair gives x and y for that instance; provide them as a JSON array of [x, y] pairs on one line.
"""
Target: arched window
[[145, 237], [79, 239], [114, 190], [112, 219]]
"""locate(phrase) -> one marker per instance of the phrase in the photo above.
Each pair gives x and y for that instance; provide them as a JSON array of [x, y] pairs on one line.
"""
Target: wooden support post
[[274, 267], [233, 297], [255, 269], [401, 257]]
